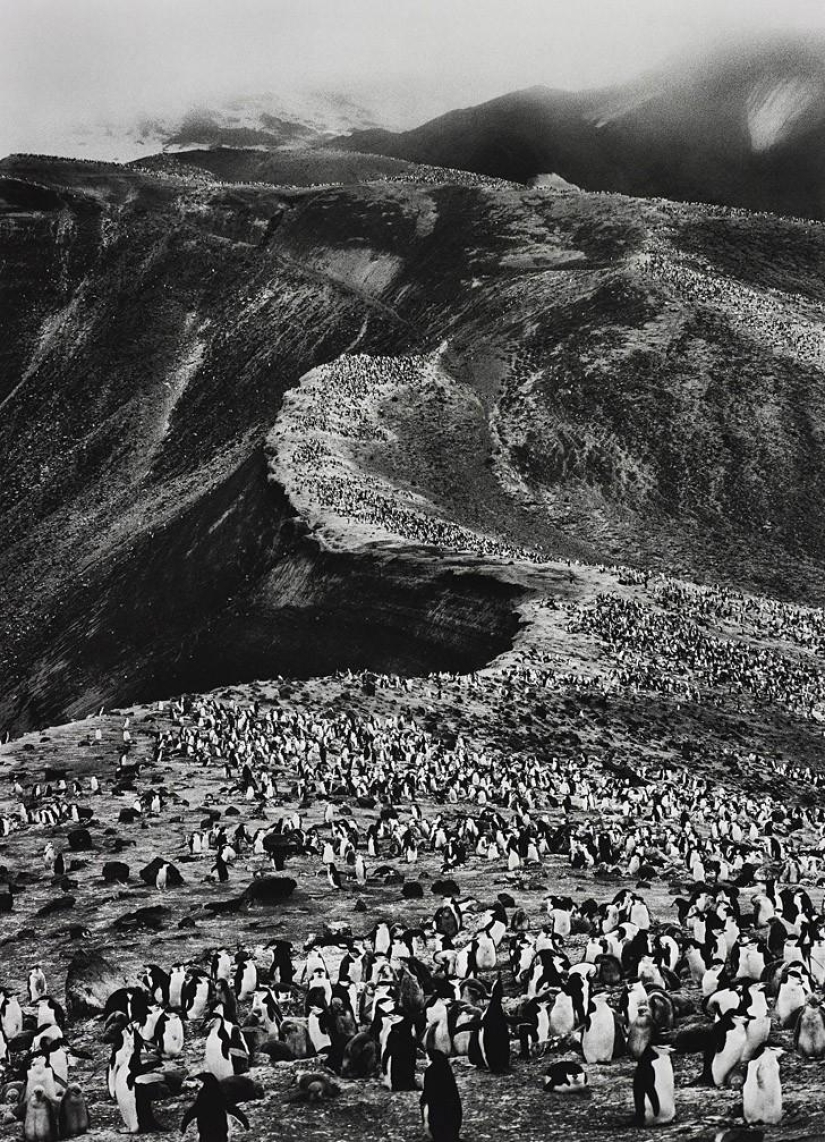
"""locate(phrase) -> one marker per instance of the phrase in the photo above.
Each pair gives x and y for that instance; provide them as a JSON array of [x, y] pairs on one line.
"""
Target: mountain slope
[[521, 375], [744, 128]]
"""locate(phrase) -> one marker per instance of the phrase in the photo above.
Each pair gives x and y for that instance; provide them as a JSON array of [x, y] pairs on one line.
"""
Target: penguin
[[40, 1123], [11, 1015], [318, 1027], [133, 1090], [49, 1012], [653, 1088], [211, 1111], [37, 984], [313, 1086], [398, 1057], [334, 877], [602, 1035], [641, 1033], [225, 1050], [246, 977], [725, 1049], [566, 1078], [360, 1057], [266, 1011], [40, 1074], [490, 1042], [196, 994], [441, 1111], [762, 1092], [809, 1032], [792, 995], [73, 1116], [177, 978], [169, 1035]]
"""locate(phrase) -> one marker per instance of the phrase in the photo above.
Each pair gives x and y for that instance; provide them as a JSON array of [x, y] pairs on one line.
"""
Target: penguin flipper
[[187, 1119], [238, 1114]]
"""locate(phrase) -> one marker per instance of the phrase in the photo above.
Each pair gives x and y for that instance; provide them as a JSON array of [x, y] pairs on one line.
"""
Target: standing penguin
[[809, 1033], [398, 1057], [728, 1041], [440, 1101], [40, 1123], [602, 1035], [73, 1117], [489, 1046], [37, 984], [653, 1088], [134, 1082], [762, 1092], [211, 1111]]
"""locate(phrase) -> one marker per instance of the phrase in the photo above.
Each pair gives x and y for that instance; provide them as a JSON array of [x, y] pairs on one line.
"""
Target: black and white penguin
[[196, 996], [398, 1057], [727, 1045], [653, 1088], [134, 1084], [489, 1046], [211, 1111], [565, 1078], [169, 1034], [441, 1111], [225, 1052], [602, 1035]]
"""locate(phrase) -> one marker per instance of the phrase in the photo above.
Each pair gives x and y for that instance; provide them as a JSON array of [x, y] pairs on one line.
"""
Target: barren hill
[[499, 372]]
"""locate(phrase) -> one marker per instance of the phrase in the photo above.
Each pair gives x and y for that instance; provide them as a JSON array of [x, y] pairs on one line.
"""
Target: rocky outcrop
[[90, 980]]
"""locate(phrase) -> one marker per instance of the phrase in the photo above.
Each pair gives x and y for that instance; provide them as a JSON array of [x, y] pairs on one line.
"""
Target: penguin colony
[[733, 971]]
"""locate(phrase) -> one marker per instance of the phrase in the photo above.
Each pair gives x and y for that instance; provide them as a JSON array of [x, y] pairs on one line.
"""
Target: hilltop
[[742, 127]]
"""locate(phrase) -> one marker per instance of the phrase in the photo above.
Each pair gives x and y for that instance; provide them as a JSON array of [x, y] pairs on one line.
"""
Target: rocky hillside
[[502, 373]]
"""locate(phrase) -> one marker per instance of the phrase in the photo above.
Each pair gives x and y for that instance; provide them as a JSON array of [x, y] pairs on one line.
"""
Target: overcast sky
[[76, 60]]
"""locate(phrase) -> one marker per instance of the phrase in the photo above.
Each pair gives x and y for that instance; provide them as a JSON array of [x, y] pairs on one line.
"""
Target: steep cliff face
[[615, 380]]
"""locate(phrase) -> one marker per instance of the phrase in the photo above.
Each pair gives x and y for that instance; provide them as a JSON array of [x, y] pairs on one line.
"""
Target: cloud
[[65, 61]]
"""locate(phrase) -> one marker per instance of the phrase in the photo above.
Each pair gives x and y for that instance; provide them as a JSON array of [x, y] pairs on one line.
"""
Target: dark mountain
[[586, 376], [741, 128]]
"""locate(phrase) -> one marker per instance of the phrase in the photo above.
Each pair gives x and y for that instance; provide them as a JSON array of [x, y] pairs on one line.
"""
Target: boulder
[[80, 840], [149, 874], [90, 980], [115, 872], [270, 890]]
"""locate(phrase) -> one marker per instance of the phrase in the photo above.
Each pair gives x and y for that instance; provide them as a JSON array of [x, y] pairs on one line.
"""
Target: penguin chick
[[313, 1086]]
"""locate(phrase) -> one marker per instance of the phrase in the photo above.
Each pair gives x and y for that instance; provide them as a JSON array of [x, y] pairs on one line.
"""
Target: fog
[[70, 62]]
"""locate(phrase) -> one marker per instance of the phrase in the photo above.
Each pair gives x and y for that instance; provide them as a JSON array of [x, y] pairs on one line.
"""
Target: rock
[[59, 904], [270, 890], [90, 980], [151, 917], [115, 872], [80, 840], [149, 874]]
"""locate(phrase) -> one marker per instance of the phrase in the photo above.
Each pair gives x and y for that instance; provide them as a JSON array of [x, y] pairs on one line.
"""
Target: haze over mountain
[[742, 126]]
